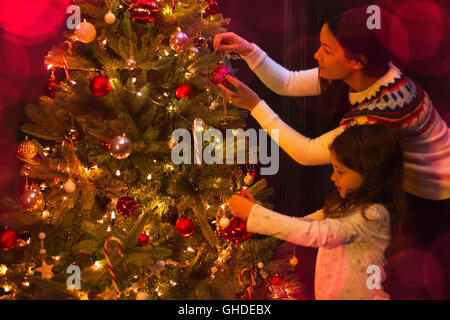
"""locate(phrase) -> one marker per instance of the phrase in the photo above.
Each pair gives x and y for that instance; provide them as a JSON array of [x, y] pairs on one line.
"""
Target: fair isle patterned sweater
[[394, 100]]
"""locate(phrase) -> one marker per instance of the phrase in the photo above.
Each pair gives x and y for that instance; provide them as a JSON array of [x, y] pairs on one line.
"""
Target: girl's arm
[[303, 150], [328, 233], [281, 80]]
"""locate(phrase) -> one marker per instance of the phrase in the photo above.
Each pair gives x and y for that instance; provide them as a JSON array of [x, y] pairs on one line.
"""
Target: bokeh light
[[33, 21]]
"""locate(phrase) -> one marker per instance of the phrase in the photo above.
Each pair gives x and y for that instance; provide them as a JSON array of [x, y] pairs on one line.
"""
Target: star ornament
[[108, 294], [45, 270], [156, 269]]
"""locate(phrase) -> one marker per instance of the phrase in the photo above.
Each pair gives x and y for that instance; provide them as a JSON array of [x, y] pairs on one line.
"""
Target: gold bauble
[[179, 41], [27, 149], [172, 143], [32, 199], [130, 64]]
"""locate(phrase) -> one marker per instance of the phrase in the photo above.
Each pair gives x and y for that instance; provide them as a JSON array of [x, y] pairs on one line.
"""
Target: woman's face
[[333, 64]]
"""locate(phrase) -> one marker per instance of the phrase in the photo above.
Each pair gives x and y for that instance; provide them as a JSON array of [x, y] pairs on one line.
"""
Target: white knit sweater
[[425, 136]]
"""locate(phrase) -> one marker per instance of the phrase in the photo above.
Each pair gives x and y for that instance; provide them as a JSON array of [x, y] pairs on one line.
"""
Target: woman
[[350, 53]]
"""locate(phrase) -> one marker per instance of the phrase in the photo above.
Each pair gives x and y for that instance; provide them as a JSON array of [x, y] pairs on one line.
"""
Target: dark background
[[286, 29]]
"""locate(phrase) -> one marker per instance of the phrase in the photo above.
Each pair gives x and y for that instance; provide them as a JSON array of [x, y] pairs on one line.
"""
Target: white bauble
[[141, 296], [224, 222], [110, 17], [85, 32], [69, 186]]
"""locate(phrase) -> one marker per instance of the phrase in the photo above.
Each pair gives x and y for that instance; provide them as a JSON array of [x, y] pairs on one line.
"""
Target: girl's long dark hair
[[374, 152]]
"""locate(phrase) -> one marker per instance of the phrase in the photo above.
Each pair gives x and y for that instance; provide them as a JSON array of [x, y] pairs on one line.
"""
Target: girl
[[352, 55], [354, 228]]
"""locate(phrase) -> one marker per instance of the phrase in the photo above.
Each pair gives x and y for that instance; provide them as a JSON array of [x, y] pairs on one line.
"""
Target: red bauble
[[144, 239], [213, 7], [236, 232], [50, 87], [100, 86], [8, 239], [200, 43], [185, 226], [183, 91], [144, 11], [219, 73], [276, 280], [105, 144], [126, 206]]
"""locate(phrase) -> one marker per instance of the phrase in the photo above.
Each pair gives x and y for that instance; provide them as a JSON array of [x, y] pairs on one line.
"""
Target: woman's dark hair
[[351, 30], [372, 150], [359, 42]]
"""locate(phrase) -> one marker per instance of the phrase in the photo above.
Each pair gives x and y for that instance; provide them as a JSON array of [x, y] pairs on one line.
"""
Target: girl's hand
[[241, 205], [229, 41], [243, 97]]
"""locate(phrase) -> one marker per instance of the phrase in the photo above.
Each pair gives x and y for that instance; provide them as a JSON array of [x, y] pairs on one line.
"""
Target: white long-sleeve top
[[394, 100], [351, 249]]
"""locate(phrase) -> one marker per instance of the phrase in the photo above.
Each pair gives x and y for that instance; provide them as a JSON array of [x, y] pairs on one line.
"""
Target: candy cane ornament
[[249, 290], [108, 261], [197, 129]]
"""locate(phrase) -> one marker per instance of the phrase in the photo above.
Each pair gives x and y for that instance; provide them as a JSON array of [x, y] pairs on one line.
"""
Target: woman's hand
[[229, 41], [241, 205], [243, 97]]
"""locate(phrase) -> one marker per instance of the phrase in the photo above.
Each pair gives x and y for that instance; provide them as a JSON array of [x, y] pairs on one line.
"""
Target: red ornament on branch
[[50, 87], [276, 280], [126, 206], [185, 226], [236, 232], [105, 144], [100, 86], [144, 239], [213, 7], [8, 239], [184, 91], [144, 11], [219, 73]]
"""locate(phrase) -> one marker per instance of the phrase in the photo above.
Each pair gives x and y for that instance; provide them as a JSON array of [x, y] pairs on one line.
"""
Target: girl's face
[[333, 64], [345, 179]]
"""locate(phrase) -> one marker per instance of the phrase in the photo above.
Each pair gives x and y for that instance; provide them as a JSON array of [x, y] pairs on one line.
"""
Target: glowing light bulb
[[3, 269], [97, 265]]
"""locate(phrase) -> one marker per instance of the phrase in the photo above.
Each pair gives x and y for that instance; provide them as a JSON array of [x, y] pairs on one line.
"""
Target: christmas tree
[[105, 212]]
